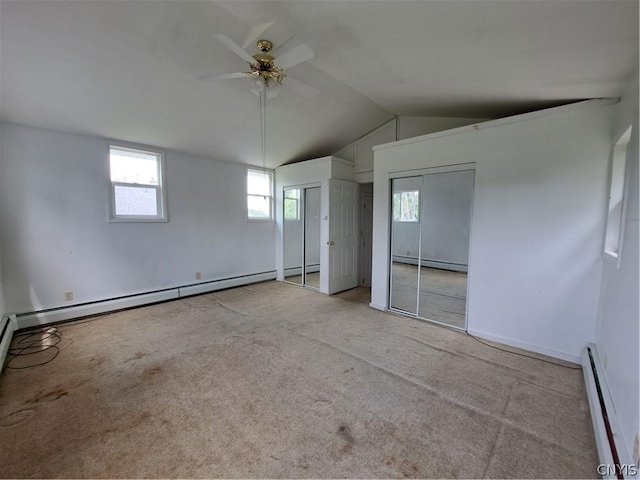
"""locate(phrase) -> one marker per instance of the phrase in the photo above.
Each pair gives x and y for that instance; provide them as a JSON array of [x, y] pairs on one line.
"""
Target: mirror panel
[[405, 243], [293, 222], [312, 237], [445, 221]]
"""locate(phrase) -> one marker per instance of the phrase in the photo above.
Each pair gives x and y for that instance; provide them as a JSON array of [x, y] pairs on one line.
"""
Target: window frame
[[271, 175], [161, 190], [615, 225]]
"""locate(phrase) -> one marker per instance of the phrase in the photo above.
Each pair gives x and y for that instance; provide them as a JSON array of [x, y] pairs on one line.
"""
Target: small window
[[405, 206], [259, 194], [292, 204], [136, 184], [615, 214]]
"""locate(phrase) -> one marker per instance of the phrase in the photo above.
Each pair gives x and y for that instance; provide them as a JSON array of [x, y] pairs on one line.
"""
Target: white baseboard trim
[[525, 346], [45, 317], [7, 327], [605, 450]]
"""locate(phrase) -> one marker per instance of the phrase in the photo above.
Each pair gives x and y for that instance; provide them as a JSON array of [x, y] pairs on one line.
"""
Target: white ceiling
[[130, 69]]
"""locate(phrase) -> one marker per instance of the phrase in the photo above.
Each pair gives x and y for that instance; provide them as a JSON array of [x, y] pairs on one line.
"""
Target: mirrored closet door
[[301, 232], [431, 219]]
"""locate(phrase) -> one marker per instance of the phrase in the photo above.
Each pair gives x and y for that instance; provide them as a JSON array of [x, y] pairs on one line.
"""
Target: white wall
[[617, 336], [56, 238], [2, 309], [538, 217], [360, 152]]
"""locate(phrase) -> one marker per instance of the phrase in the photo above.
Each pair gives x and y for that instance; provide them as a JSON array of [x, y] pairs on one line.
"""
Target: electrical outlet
[[68, 296], [198, 275]]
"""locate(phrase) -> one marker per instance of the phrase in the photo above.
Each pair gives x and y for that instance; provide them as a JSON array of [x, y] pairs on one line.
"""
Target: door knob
[[330, 242]]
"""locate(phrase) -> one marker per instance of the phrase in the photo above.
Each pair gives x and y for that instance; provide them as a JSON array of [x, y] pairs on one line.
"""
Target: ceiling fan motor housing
[[265, 46]]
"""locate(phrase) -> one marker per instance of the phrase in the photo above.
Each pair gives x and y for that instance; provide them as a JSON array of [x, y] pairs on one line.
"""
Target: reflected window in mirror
[[292, 204], [406, 206]]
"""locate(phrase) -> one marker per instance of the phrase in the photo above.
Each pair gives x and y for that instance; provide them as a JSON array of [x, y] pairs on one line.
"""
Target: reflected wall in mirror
[[312, 237], [301, 235], [293, 235], [405, 243], [445, 222]]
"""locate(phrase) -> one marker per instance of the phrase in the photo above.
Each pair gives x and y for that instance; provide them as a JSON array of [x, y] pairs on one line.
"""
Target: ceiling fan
[[268, 70]]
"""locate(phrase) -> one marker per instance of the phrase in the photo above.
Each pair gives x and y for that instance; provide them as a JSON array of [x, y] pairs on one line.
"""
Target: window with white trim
[[617, 197], [259, 194], [137, 192]]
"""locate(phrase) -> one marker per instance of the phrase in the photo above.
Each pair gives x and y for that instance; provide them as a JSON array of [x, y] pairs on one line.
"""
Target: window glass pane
[[258, 183], [135, 201], [258, 206], [133, 166], [405, 206]]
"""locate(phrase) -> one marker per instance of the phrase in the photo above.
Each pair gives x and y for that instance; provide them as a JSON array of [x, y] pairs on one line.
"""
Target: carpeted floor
[[443, 293], [274, 380]]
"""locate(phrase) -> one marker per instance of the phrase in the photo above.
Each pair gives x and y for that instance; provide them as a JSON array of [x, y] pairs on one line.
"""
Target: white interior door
[[343, 235]]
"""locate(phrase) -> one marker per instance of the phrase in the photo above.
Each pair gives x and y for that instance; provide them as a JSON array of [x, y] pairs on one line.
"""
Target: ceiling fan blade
[[276, 52], [255, 33], [233, 46], [224, 76], [296, 55]]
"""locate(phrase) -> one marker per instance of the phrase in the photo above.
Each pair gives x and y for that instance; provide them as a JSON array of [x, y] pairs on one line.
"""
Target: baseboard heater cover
[[45, 317], [226, 283], [606, 428], [431, 263], [7, 327]]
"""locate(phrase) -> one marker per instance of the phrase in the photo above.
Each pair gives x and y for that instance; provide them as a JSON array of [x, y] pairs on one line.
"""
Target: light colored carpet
[[274, 380]]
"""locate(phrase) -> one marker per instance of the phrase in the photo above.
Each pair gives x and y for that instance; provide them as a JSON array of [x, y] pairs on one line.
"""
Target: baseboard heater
[[615, 461], [53, 315], [7, 327]]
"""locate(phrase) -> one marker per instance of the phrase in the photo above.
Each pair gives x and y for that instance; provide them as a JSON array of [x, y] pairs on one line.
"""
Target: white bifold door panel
[[343, 235]]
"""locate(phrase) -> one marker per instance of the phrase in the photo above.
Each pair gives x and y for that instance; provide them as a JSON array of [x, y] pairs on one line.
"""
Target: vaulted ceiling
[[131, 70]]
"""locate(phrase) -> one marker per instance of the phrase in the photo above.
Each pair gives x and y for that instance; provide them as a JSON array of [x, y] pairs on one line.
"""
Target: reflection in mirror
[[312, 237], [292, 235], [447, 199], [405, 243]]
